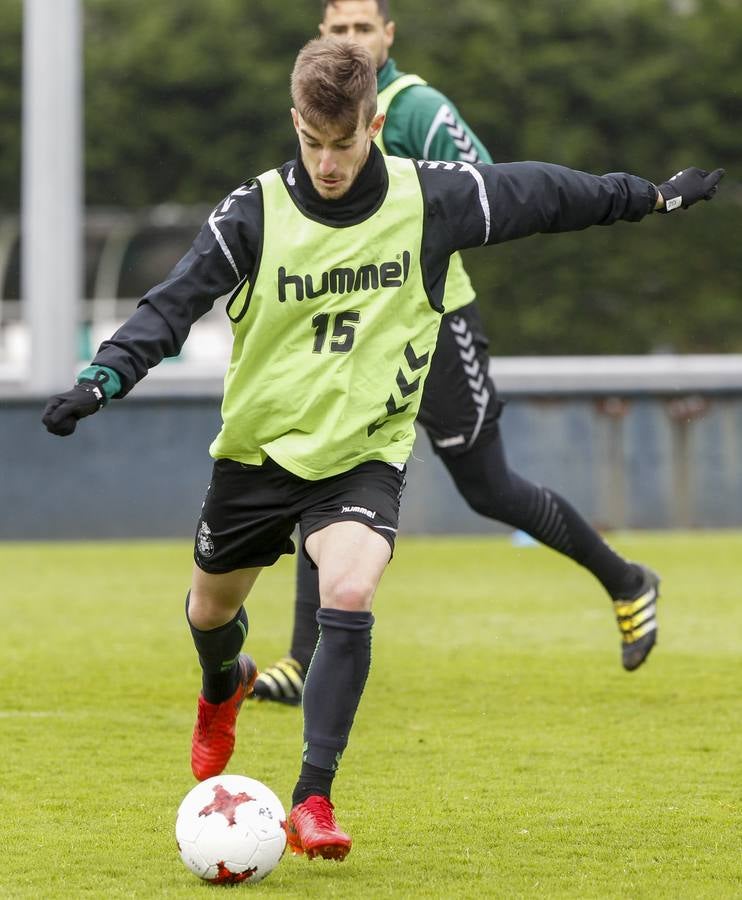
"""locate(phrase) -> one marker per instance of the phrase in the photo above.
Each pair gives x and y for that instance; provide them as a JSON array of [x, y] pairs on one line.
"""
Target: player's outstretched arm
[[686, 188], [491, 204], [222, 254]]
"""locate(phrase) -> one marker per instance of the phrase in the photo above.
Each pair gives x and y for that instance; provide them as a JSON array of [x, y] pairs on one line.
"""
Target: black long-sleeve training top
[[465, 206]]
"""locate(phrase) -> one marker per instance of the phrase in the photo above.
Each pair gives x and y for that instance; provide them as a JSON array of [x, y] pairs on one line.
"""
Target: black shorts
[[459, 404], [250, 512]]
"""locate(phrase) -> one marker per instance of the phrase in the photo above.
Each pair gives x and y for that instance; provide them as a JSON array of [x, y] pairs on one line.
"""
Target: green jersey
[[332, 338], [422, 123]]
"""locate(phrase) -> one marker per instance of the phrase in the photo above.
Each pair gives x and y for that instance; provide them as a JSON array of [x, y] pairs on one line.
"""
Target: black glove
[[688, 187], [63, 410]]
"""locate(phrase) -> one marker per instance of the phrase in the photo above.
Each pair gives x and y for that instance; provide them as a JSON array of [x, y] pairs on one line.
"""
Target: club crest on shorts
[[204, 541]]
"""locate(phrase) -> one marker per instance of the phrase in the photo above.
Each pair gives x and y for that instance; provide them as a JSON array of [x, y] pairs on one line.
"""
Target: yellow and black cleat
[[283, 682], [637, 621]]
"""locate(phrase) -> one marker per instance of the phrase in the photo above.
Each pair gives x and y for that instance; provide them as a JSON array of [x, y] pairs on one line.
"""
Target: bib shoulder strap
[[385, 97]]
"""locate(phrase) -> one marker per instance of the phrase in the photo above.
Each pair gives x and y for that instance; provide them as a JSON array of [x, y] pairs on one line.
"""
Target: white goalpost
[[52, 189]]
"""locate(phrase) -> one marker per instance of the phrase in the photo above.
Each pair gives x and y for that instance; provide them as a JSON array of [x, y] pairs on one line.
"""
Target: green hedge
[[184, 99]]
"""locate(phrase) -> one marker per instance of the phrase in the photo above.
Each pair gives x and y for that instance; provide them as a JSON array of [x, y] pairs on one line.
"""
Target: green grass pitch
[[499, 751]]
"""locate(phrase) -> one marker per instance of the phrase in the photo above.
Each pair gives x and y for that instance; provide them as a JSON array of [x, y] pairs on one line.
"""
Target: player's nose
[[326, 162]]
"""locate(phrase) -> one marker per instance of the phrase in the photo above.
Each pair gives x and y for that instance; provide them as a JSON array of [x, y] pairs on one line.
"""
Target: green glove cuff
[[108, 380]]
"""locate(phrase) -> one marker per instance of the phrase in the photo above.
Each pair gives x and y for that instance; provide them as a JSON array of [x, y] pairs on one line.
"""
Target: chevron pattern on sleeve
[[461, 138]]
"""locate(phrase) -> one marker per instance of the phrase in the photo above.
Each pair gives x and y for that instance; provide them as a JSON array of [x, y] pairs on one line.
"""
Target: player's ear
[[389, 33], [295, 119], [376, 124]]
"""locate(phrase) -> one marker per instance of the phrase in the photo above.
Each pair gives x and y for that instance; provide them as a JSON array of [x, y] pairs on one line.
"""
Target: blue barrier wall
[[140, 468]]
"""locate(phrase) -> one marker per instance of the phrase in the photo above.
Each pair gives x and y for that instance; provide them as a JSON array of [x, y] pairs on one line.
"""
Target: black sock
[[312, 780], [218, 649], [556, 523], [628, 585], [306, 604], [334, 684]]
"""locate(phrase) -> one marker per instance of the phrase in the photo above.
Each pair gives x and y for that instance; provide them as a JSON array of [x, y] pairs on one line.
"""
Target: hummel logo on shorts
[[358, 509]]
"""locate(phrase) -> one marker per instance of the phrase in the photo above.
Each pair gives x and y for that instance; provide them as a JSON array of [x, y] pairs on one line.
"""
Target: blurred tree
[[186, 99], [647, 86], [10, 103]]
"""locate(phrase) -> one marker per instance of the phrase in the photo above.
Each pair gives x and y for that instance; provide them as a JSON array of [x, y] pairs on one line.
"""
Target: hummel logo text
[[359, 509], [345, 280]]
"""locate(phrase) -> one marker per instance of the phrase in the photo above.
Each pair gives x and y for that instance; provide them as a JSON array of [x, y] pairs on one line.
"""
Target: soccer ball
[[231, 829]]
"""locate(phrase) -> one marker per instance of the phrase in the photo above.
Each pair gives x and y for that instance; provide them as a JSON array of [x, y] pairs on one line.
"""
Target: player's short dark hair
[[383, 6], [332, 82]]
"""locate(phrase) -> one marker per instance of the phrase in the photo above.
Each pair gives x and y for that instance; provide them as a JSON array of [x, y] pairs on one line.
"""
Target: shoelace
[[321, 810], [210, 714], [204, 717]]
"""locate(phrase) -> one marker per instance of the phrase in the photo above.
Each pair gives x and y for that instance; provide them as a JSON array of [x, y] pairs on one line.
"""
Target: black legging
[[494, 490]]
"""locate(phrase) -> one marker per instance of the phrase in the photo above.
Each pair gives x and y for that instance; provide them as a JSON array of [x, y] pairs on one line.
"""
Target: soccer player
[[336, 264], [459, 408]]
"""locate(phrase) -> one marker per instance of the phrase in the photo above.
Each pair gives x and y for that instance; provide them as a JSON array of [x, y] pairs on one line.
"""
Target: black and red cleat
[[312, 830], [214, 732]]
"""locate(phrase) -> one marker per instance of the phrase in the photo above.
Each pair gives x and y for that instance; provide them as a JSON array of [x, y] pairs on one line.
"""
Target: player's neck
[[387, 73], [362, 198]]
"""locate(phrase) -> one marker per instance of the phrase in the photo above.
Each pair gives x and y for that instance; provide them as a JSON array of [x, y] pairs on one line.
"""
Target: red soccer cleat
[[213, 735], [312, 829]]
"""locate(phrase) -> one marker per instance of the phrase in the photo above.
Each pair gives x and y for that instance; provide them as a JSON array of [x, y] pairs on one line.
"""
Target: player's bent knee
[[484, 506], [478, 496], [210, 609], [349, 595], [488, 493]]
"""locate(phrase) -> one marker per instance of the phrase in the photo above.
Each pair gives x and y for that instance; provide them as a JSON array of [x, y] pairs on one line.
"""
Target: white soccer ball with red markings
[[231, 829]]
